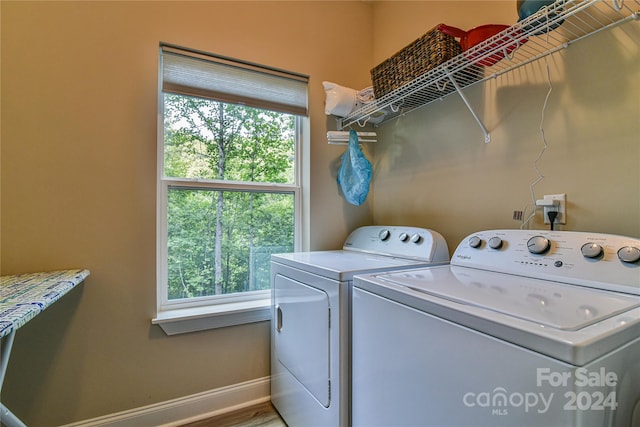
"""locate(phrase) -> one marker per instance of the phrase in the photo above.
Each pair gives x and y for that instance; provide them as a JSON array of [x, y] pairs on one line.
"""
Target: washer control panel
[[403, 242], [598, 260]]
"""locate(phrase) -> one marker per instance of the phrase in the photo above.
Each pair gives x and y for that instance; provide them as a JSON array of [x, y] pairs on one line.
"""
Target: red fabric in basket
[[469, 39]]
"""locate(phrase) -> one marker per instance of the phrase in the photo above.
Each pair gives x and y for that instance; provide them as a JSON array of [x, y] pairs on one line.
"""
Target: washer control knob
[[538, 244], [475, 241], [495, 243], [403, 237], [384, 234], [629, 254], [416, 238], [591, 250]]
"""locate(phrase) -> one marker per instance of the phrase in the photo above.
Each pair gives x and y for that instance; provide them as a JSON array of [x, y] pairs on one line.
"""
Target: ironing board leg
[[7, 343], [9, 419], [6, 416]]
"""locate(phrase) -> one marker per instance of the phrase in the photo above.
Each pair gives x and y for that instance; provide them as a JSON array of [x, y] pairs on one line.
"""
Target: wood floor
[[262, 415]]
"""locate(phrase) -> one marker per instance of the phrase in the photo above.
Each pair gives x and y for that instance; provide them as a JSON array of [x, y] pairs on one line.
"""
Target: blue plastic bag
[[354, 175]]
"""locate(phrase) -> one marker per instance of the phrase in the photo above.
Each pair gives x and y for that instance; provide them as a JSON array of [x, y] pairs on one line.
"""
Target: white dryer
[[310, 338], [523, 328]]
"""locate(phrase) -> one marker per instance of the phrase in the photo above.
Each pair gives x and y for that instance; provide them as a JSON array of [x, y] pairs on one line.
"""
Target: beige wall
[[433, 169], [398, 23], [79, 106], [78, 168]]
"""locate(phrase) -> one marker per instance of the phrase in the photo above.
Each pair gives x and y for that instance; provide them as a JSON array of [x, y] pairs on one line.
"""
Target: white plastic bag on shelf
[[339, 100]]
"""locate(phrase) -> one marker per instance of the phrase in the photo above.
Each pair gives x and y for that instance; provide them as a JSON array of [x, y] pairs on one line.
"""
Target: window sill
[[185, 320]]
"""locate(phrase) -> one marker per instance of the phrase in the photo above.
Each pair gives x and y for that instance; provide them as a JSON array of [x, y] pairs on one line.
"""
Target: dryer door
[[302, 334]]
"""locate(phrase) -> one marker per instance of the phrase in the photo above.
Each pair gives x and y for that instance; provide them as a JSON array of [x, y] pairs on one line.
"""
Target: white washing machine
[[310, 338], [523, 328]]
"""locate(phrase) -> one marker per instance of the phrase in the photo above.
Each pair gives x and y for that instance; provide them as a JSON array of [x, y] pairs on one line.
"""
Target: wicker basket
[[429, 51]]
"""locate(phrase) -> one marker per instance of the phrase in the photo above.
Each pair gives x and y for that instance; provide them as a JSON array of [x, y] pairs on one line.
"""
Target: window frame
[[192, 314]]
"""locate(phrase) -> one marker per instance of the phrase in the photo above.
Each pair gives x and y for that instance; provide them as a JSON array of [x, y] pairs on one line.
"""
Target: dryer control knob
[[475, 241], [403, 237], [495, 243], [591, 250], [629, 254], [538, 244], [384, 234], [416, 238]]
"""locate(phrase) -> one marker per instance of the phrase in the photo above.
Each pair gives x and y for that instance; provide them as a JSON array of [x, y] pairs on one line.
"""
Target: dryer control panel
[[399, 241], [603, 261]]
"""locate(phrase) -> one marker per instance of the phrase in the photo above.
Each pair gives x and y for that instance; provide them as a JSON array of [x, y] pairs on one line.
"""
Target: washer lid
[[552, 304]]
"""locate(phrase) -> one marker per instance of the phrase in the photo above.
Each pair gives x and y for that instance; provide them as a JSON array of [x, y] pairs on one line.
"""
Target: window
[[229, 190]]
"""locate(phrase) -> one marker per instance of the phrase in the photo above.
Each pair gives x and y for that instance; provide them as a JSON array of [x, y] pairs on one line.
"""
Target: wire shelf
[[552, 28]]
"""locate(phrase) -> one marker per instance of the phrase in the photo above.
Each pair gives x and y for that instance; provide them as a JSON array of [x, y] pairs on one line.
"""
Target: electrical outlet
[[561, 208]]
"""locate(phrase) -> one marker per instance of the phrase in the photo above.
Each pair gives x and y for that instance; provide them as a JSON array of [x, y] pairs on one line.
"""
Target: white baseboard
[[189, 408]]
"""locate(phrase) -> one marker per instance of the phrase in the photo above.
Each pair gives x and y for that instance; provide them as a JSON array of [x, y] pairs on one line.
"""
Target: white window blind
[[194, 73]]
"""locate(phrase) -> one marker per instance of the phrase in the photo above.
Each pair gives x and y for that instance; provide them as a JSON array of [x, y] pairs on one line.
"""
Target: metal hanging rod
[[342, 137]]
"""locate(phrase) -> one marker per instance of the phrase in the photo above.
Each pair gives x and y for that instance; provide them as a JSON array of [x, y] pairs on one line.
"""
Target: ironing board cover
[[24, 296]]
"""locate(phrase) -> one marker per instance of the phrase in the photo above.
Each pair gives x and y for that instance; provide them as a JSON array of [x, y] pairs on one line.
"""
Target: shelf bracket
[[487, 136]]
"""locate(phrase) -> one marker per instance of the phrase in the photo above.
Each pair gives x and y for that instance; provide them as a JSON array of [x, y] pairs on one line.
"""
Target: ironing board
[[23, 297]]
